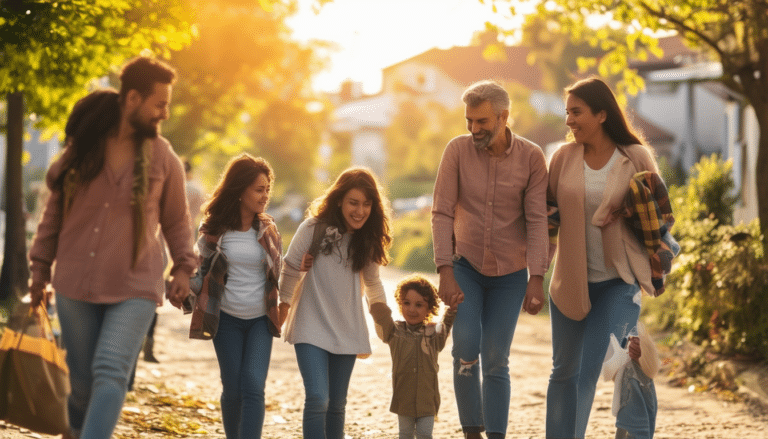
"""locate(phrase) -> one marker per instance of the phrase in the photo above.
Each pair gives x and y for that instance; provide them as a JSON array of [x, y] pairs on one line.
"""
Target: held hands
[[178, 290], [449, 290], [534, 295], [634, 348], [282, 312]]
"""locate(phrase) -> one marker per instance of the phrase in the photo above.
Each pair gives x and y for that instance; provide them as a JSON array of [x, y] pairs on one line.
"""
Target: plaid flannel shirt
[[648, 213]]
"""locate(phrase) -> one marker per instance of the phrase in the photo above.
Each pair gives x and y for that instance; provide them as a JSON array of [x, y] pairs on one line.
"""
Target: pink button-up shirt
[[493, 207], [91, 253]]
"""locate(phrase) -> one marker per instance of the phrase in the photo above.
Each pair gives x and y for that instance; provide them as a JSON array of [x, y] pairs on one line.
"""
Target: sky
[[374, 34]]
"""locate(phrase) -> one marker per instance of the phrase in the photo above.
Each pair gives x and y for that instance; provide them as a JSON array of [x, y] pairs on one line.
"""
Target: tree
[[50, 51], [244, 86], [735, 32]]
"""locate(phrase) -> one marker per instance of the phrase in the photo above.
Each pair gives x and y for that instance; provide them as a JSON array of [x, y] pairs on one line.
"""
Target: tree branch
[[660, 13]]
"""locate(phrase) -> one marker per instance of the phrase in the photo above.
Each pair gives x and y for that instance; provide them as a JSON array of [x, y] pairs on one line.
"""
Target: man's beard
[[143, 130], [484, 142]]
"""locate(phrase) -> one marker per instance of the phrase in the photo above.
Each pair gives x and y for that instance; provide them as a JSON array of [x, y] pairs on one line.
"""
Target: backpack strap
[[317, 237]]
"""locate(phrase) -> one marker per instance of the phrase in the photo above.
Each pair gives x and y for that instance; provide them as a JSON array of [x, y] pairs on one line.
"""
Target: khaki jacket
[[414, 349], [569, 286]]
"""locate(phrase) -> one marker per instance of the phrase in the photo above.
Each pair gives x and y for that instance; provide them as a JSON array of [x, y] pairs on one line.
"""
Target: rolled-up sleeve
[[44, 246], [175, 219], [535, 202], [444, 202]]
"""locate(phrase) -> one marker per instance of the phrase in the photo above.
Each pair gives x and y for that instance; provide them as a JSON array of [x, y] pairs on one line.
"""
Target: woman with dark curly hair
[[326, 321], [246, 240]]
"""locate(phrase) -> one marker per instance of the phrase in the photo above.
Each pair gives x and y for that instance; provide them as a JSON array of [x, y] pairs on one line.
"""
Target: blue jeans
[[243, 348], [421, 426], [637, 414], [326, 381], [578, 351], [483, 330], [102, 343]]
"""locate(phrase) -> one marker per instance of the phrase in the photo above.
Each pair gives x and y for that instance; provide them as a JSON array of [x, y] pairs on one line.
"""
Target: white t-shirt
[[246, 275], [594, 185]]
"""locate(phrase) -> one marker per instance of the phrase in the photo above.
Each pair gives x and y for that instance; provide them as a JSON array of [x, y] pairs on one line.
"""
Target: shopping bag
[[34, 378]]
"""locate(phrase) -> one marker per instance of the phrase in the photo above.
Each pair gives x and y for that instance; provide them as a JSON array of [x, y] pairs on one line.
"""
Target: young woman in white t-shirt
[[327, 323], [248, 318]]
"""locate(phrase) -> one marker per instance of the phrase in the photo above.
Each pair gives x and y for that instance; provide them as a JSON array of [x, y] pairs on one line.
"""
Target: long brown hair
[[91, 121], [599, 97], [370, 242], [222, 213]]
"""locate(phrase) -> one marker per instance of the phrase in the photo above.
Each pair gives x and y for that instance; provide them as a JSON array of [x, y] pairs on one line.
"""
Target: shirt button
[[96, 230], [106, 204], [93, 254]]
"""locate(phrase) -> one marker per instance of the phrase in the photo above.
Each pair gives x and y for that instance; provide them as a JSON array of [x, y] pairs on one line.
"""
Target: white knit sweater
[[329, 313]]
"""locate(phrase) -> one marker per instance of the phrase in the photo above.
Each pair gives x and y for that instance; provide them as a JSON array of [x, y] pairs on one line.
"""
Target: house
[[683, 97], [437, 76]]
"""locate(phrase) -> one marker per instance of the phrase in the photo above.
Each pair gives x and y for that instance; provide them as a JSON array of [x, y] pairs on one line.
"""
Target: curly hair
[[372, 241], [425, 289], [222, 213]]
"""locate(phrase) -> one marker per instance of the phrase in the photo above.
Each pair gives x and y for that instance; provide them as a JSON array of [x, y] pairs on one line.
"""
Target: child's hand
[[634, 348]]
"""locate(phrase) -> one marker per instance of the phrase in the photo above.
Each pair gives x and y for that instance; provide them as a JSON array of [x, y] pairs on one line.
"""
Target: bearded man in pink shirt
[[489, 226], [115, 188]]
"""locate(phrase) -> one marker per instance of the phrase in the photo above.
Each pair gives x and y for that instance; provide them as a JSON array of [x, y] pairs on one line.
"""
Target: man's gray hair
[[487, 90]]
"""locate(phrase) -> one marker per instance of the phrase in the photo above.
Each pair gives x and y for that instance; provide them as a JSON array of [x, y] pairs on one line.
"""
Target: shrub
[[716, 293], [412, 242]]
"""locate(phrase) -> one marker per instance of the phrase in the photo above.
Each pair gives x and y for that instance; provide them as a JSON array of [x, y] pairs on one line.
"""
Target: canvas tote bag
[[34, 378]]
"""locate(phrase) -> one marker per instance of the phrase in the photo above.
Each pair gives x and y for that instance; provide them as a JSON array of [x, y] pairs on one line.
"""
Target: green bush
[[711, 189], [716, 293], [412, 242], [410, 186], [720, 289]]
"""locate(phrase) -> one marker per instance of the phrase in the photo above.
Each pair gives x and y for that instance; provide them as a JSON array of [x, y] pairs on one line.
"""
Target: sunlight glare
[[374, 34]]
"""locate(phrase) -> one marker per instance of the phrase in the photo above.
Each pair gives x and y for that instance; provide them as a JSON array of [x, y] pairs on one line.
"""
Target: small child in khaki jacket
[[414, 344]]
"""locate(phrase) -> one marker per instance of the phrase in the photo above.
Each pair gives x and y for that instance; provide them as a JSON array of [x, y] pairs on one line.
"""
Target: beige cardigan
[[568, 288]]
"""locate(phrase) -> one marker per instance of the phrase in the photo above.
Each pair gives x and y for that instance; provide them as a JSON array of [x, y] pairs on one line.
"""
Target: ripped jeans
[[483, 330]]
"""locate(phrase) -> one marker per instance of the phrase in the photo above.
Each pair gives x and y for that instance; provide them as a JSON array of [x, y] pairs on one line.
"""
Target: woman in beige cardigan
[[600, 265]]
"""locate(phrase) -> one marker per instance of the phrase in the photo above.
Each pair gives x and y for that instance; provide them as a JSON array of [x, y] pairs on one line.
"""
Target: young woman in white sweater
[[327, 323]]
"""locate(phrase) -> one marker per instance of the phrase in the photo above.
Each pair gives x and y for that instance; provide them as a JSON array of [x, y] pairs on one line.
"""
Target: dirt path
[[182, 393]]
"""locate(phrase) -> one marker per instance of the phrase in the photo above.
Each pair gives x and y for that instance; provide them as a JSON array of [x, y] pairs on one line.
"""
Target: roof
[[466, 65], [675, 54], [690, 72], [652, 133], [369, 112]]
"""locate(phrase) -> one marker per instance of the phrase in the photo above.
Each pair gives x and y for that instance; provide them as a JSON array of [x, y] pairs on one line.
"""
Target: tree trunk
[[15, 272], [761, 171]]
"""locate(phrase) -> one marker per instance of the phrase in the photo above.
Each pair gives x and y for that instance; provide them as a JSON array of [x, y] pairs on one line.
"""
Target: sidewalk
[[181, 393]]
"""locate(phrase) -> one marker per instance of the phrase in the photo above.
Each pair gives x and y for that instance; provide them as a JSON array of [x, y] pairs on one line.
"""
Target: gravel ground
[[188, 371]]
